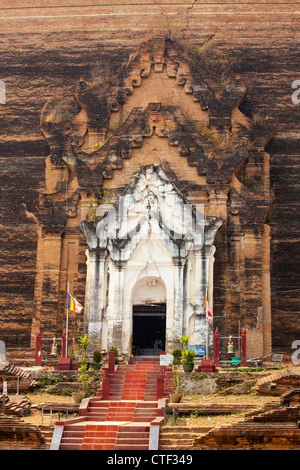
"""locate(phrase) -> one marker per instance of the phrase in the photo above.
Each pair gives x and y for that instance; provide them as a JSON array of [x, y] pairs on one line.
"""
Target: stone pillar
[[206, 260], [96, 295], [178, 303], [253, 316], [236, 283], [199, 318], [266, 293], [117, 336], [202, 277]]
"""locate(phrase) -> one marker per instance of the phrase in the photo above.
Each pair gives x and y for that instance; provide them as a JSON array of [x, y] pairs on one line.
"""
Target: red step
[[130, 386], [133, 438], [72, 437], [100, 437]]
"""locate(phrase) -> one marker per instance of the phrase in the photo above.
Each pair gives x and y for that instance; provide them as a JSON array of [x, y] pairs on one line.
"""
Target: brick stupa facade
[[148, 106]]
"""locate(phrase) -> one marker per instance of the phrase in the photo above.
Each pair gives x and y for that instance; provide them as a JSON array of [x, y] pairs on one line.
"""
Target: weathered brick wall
[[265, 430], [47, 46]]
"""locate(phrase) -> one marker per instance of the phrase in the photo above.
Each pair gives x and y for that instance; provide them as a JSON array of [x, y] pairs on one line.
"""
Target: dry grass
[[245, 399], [198, 419], [41, 398], [208, 420], [38, 398]]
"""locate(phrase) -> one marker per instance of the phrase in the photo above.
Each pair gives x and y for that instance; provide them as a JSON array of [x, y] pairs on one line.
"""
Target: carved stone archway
[[151, 232]]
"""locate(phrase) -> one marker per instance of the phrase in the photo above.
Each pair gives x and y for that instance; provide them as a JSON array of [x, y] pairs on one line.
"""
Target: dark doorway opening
[[149, 329]]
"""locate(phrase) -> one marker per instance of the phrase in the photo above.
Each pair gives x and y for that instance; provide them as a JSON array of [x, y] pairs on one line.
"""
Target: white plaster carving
[[151, 247]]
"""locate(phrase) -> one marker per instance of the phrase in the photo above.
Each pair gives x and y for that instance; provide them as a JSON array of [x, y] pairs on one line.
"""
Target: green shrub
[[97, 356]]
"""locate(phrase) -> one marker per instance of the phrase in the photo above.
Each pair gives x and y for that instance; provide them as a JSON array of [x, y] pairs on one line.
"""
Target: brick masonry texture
[[47, 47]]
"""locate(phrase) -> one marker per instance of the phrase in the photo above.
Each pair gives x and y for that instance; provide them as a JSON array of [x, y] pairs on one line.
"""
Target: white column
[[199, 301], [119, 286], [178, 304], [202, 258], [97, 285]]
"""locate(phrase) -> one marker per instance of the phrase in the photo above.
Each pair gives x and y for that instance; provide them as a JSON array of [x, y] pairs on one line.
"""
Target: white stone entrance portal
[[153, 247]]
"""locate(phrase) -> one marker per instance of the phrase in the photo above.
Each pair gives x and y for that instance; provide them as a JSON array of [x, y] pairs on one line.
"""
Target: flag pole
[[207, 322], [67, 321]]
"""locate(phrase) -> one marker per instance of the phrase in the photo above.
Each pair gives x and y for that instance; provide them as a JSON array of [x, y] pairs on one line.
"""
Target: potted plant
[[188, 360], [176, 353], [184, 340], [176, 396], [83, 342], [83, 390], [97, 356]]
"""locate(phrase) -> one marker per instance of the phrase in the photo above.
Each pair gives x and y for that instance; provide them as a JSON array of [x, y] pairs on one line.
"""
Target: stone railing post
[[154, 433], [216, 348], [243, 348], [38, 349], [111, 362], [64, 352], [159, 387]]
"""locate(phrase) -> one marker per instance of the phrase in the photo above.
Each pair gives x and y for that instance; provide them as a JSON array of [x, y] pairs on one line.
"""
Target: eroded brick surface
[[76, 80]]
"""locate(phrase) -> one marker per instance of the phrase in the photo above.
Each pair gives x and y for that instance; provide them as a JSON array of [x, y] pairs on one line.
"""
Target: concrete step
[[72, 438], [146, 419], [124, 405], [133, 394], [145, 411], [134, 428], [95, 417], [99, 408], [97, 411], [144, 416], [133, 441], [73, 433], [98, 404], [102, 427], [137, 386], [119, 417], [147, 404], [93, 446], [99, 440], [131, 447], [70, 446], [132, 435]]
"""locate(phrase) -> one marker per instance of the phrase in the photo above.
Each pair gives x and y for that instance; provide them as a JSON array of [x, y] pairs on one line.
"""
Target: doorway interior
[[149, 329]]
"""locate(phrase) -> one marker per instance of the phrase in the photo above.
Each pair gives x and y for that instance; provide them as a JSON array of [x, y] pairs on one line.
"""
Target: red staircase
[[100, 437], [120, 415], [133, 437], [135, 381]]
